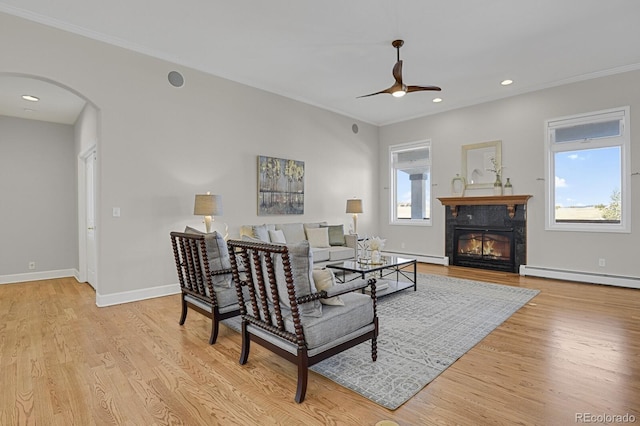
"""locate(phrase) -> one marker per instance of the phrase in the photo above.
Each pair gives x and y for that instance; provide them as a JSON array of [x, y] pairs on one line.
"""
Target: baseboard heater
[[586, 277], [438, 260]]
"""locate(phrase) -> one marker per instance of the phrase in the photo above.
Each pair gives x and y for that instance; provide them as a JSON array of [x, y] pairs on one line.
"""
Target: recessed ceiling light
[[28, 110], [30, 98], [436, 100], [506, 82]]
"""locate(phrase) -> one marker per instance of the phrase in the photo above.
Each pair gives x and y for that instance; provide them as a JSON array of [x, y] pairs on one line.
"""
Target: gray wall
[[37, 196], [159, 146], [519, 122]]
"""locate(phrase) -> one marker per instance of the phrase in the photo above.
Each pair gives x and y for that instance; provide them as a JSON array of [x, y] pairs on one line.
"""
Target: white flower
[[376, 243], [497, 170]]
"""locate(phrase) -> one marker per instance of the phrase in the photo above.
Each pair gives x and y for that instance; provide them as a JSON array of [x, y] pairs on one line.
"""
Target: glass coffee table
[[401, 267]]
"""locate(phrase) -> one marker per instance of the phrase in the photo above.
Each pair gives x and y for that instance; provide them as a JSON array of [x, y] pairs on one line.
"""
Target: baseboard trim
[[586, 277], [37, 276], [438, 260], [103, 300]]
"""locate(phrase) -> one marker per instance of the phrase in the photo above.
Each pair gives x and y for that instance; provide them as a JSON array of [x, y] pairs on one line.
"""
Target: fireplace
[[490, 248], [486, 232]]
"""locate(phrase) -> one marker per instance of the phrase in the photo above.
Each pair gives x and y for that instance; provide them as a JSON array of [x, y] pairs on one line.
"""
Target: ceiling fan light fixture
[[399, 89]]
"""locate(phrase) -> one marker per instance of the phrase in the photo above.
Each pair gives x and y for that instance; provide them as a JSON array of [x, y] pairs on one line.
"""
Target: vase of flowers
[[375, 244], [497, 169], [497, 186]]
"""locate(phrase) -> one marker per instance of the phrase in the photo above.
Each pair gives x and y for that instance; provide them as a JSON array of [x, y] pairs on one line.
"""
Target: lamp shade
[[208, 205], [354, 206]]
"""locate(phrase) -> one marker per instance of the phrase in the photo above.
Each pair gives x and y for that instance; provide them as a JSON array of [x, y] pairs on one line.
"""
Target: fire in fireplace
[[491, 248]]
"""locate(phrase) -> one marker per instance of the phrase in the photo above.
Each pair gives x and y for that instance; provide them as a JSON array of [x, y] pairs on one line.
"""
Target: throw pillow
[[302, 274], [336, 234], [246, 230], [277, 236], [261, 232], [217, 254], [318, 237], [324, 280], [293, 232]]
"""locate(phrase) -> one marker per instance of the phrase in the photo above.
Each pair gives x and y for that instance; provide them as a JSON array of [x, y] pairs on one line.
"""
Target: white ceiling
[[326, 53], [56, 104]]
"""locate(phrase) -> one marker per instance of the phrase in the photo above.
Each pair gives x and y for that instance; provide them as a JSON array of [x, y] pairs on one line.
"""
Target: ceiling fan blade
[[397, 72], [377, 93], [399, 89], [420, 88]]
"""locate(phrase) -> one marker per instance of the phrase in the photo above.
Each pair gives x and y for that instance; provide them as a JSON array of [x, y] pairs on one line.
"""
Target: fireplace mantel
[[492, 200]]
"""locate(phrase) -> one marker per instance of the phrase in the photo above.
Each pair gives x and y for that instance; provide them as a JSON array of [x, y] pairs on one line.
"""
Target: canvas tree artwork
[[280, 186]]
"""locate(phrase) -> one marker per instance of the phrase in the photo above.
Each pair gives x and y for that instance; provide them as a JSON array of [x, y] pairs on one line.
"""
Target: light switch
[[116, 212]]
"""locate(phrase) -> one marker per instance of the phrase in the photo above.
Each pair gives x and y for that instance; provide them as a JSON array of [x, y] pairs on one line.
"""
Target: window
[[410, 183], [587, 166]]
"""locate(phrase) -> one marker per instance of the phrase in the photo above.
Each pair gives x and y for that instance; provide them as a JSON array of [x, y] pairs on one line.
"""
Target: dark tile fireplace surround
[[486, 232]]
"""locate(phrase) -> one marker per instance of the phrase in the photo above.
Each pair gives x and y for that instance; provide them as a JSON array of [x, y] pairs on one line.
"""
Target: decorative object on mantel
[[208, 205], [497, 169], [508, 188], [497, 186], [511, 201], [481, 163], [458, 185], [280, 186], [354, 206]]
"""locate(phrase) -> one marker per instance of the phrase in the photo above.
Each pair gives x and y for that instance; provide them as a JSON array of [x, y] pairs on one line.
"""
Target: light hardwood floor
[[573, 349]]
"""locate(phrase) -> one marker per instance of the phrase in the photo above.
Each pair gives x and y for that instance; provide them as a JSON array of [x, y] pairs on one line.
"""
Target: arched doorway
[[53, 103]]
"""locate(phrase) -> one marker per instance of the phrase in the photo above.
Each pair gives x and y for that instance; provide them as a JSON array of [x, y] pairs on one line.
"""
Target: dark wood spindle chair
[[282, 313], [206, 285]]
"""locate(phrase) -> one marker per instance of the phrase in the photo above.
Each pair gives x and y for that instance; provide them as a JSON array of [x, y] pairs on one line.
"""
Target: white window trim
[[392, 180], [623, 141]]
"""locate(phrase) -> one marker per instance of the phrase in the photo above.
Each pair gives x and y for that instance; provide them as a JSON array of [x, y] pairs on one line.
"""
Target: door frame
[[82, 215]]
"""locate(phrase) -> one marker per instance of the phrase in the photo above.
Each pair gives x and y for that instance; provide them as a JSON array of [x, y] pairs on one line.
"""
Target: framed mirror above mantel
[[481, 163], [510, 201]]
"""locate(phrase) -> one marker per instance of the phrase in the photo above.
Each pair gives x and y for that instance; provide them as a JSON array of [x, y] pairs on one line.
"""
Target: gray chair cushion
[[336, 321], [301, 262], [218, 255]]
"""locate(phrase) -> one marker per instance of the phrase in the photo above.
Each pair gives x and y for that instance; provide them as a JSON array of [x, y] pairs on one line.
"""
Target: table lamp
[[208, 205], [354, 206]]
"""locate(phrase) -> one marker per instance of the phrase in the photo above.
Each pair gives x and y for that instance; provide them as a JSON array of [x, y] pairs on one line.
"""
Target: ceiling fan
[[399, 89]]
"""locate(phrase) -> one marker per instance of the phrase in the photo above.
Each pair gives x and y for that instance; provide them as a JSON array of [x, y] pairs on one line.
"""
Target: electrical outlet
[[32, 265], [602, 262]]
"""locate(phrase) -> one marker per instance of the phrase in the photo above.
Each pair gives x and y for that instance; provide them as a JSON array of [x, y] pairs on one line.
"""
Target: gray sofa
[[328, 243]]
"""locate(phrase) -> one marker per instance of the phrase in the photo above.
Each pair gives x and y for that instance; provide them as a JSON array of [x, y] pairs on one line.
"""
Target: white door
[[90, 186]]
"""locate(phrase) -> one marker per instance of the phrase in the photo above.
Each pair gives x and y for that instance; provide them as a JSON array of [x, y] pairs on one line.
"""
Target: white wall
[[37, 197], [519, 122], [159, 146]]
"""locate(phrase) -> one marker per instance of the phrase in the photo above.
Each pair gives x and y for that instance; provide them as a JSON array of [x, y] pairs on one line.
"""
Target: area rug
[[421, 334]]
